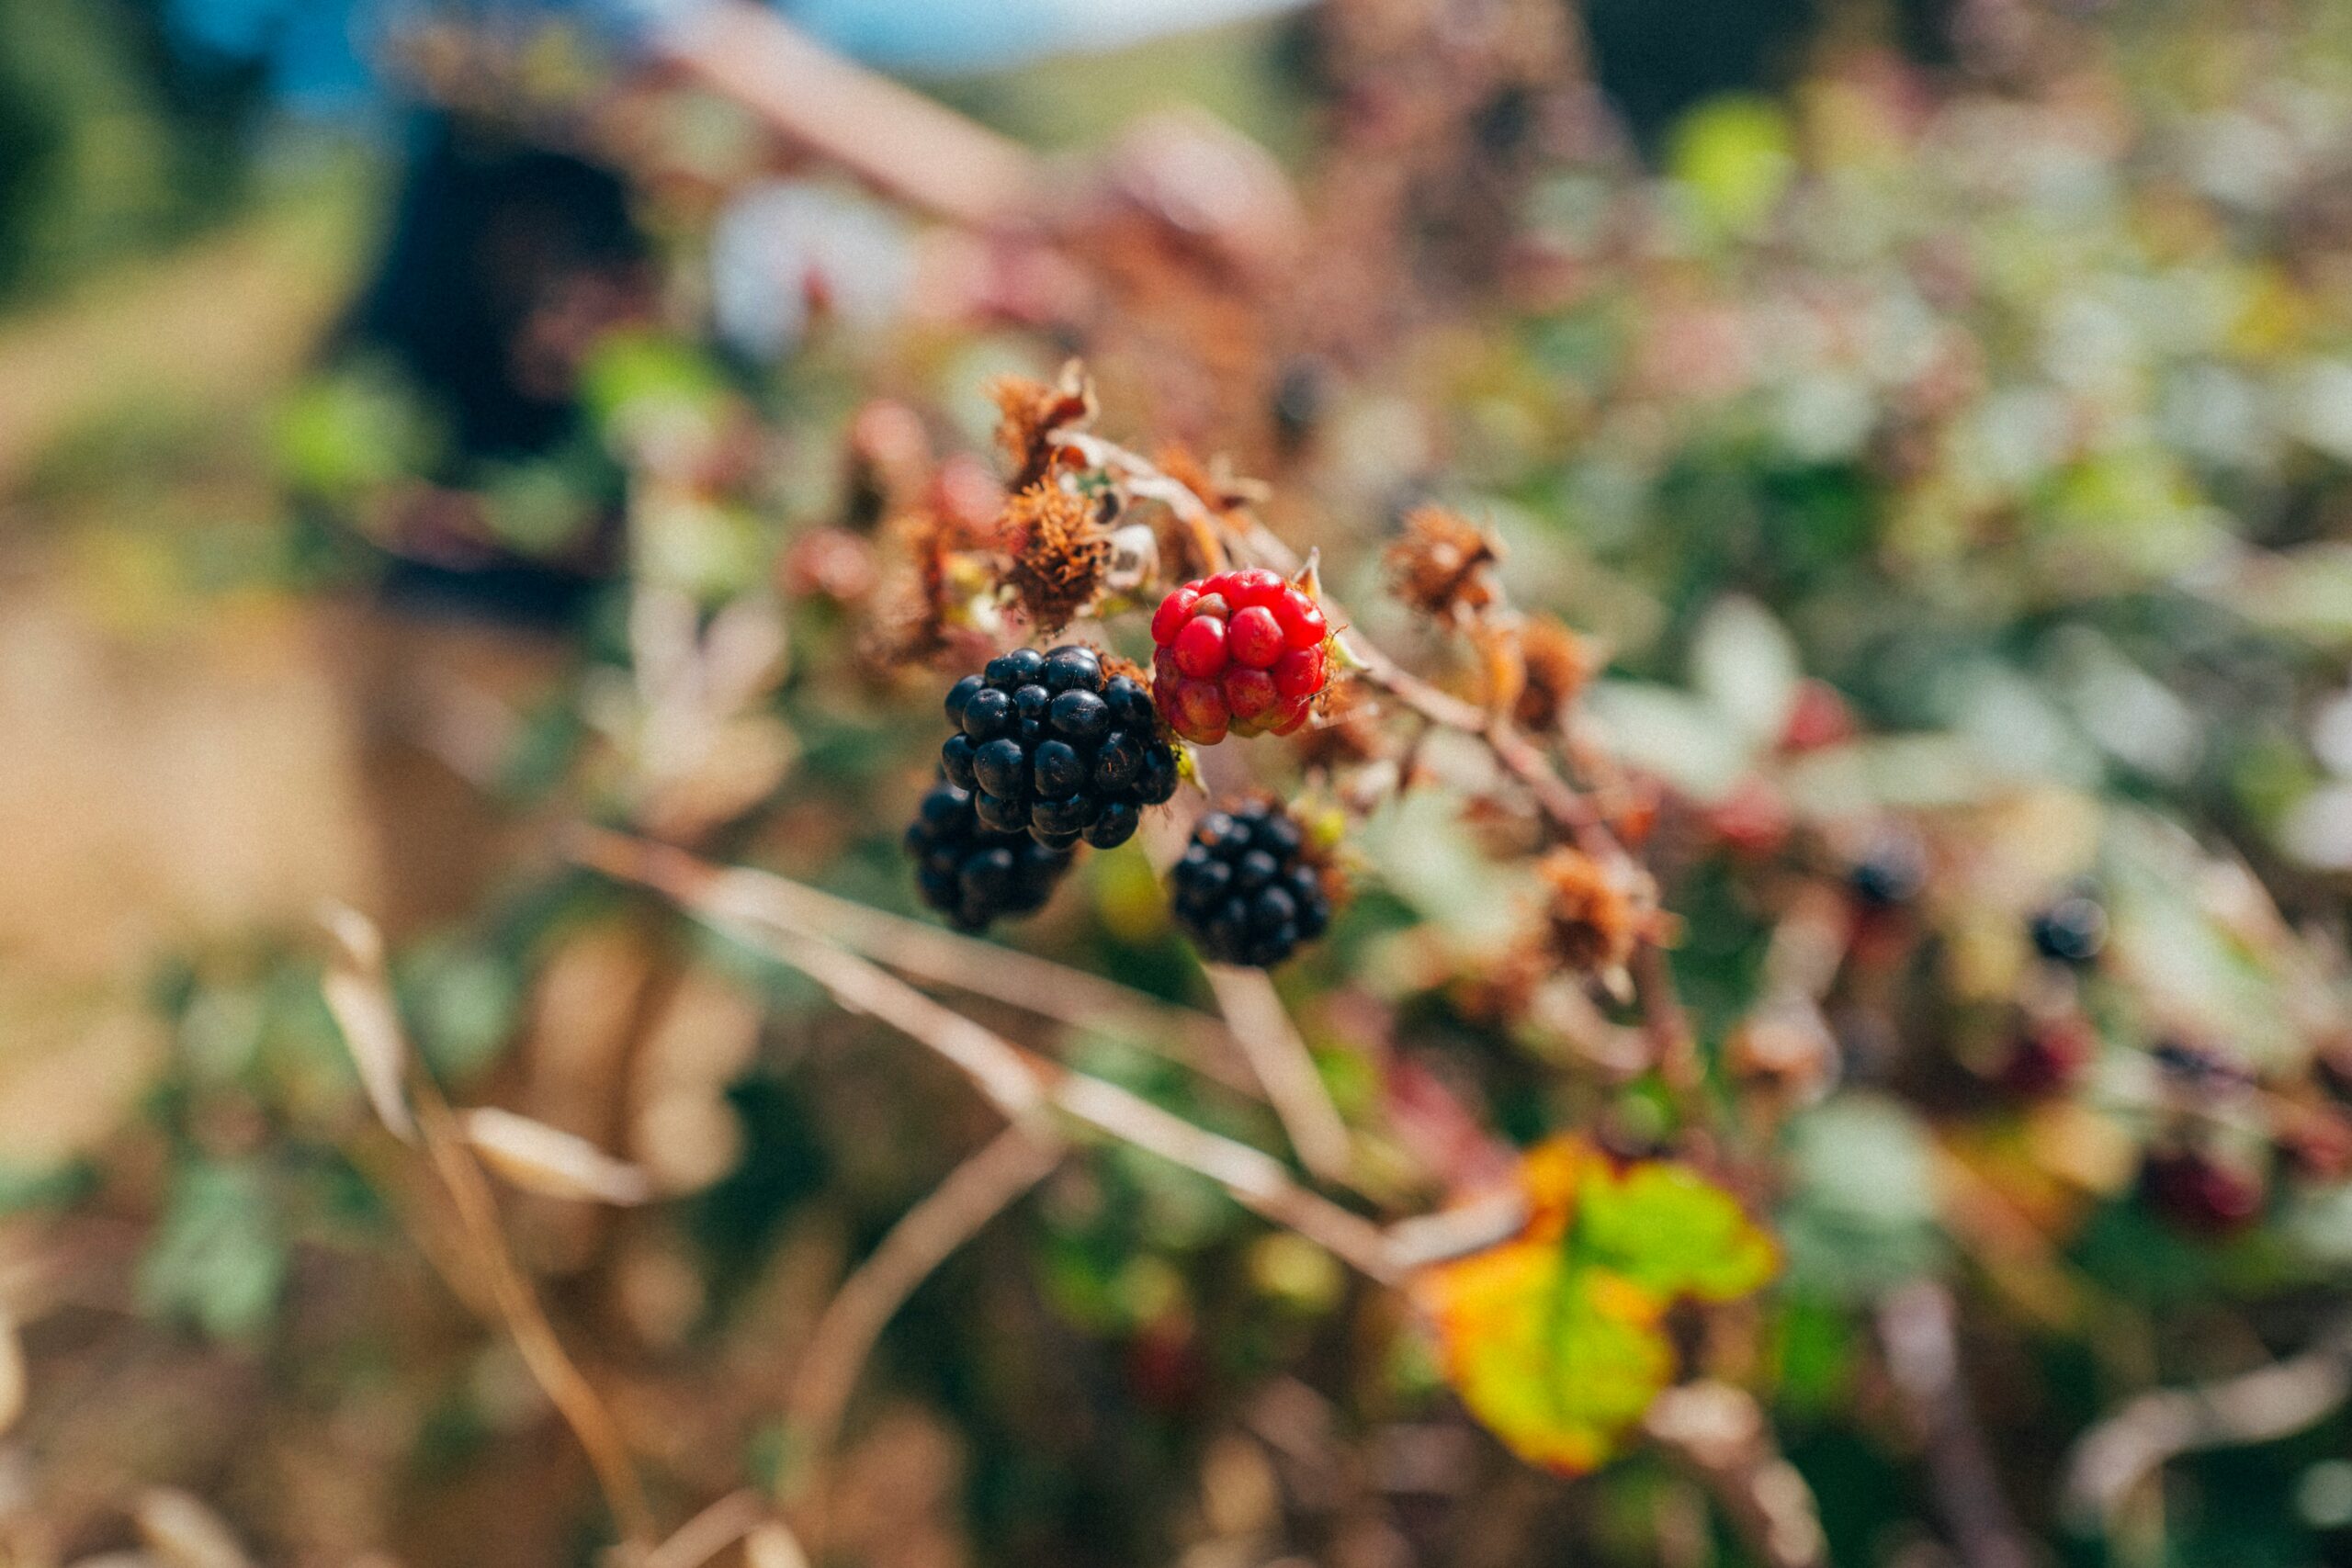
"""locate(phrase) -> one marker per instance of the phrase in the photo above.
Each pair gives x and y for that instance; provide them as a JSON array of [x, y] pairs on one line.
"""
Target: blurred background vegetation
[[1936, 417]]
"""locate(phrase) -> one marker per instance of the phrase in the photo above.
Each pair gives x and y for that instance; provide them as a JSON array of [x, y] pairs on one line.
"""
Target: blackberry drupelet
[[1245, 890], [1050, 745], [971, 872]]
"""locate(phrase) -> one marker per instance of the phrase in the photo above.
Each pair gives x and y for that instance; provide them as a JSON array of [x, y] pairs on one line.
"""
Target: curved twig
[[974, 1193], [1022, 1083], [1279, 1059], [2110, 1461]]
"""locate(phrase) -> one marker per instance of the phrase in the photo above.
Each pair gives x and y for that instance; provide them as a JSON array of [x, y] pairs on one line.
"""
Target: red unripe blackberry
[[1241, 652], [1246, 890], [1052, 746], [2200, 1193], [973, 873], [2047, 1059]]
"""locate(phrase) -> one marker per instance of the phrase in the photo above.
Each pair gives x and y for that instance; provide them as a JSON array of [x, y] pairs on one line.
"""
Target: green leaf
[[218, 1258], [1673, 1231], [1554, 1339]]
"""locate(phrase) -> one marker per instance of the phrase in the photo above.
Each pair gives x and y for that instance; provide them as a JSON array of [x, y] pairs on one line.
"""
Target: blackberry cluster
[[1049, 747], [1245, 891], [970, 872]]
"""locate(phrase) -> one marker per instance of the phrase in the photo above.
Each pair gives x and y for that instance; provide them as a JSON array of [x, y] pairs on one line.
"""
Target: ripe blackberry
[[970, 872], [1241, 651], [1050, 746], [2070, 930], [1892, 874], [1245, 890]]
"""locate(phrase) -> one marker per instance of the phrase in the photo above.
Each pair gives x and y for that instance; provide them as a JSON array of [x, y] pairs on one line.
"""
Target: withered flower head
[[1595, 914], [1031, 413], [1558, 663], [1441, 565], [916, 600], [1058, 550]]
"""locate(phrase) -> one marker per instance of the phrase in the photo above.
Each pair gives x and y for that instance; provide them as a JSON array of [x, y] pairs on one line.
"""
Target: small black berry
[[971, 872], [1060, 769], [988, 713], [1019, 668], [1002, 768], [1116, 825], [956, 759], [1892, 874], [1131, 706], [1074, 669], [2070, 930], [958, 694], [1244, 890], [1081, 716], [1001, 815]]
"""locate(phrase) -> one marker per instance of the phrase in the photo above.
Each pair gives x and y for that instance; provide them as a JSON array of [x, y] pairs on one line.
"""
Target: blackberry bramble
[[1245, 890], [1050, 745], [1242, 652], [971, 872]]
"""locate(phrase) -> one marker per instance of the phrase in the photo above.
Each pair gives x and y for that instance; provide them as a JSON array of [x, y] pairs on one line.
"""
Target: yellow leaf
[[1553, 1339]]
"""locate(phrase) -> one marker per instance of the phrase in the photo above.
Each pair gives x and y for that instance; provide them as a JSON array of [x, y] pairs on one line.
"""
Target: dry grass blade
[[973, 1194], [773, 1545], [550, 1161], [181, 1530], [14, 1383], [709, 1532], [534, 1337], [1279, 1059], [364, 1009], [360, 995]]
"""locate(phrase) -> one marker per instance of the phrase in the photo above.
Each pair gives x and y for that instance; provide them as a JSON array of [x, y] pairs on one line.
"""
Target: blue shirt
[[318, 50]]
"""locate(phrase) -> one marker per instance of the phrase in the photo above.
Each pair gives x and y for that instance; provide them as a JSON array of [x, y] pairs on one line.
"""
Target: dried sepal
[[1558, 664], [1030, 414], [1059, 551], [1443, 565], [1595, 912], [927, 594]]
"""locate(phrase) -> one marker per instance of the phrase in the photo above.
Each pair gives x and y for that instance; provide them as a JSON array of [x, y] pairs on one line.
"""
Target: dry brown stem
[[974, 1193], [1020, 1083], [1279, 1059]]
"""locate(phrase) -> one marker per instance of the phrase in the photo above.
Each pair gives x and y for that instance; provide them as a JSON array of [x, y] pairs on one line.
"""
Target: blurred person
[[516, 245]]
